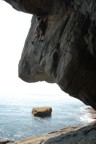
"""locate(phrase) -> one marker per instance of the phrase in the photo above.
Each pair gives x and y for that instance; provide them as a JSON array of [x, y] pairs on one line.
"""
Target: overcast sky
[[14, 27]]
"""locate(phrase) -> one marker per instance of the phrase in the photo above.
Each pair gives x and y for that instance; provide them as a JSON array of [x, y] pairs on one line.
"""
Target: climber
[[40, 28]]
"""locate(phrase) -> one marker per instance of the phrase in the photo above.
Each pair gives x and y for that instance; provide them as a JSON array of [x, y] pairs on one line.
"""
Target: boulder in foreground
[[42, 111]]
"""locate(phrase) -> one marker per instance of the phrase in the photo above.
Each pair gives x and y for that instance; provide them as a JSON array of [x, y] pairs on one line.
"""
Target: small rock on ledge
[[42, 111]]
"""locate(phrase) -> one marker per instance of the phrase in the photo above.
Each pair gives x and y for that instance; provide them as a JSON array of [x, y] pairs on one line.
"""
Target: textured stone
[[39, 7], [42, 111], [67, 56]]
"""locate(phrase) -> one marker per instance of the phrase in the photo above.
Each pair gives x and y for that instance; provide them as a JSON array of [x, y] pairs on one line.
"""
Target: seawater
[[17, 121]]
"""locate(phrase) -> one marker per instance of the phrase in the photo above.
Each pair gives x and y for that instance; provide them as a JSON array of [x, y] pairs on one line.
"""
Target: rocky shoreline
[[69, 135]]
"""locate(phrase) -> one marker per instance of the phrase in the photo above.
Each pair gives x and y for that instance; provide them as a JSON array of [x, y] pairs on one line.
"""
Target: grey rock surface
[[39, 7], [81, 136], [67, 55]]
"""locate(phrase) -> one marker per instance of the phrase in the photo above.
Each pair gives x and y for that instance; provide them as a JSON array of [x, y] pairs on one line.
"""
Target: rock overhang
[[39, 7], [67, 55]]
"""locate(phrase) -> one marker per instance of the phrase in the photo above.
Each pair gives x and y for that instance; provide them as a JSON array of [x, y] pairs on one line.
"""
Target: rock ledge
[[69, 135]]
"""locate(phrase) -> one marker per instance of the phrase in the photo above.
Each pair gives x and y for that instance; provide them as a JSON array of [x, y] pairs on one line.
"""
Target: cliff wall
[[67, 55]]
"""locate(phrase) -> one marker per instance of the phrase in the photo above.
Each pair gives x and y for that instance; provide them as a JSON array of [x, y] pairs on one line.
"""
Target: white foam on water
[[87, 116]]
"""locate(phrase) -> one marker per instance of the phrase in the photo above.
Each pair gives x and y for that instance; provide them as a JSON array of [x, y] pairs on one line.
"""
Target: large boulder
[[42, 111]]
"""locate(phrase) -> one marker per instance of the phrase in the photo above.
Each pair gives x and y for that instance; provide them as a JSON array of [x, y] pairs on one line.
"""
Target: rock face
[[42, 111], [39, 7], [67, 56], [69, 135]]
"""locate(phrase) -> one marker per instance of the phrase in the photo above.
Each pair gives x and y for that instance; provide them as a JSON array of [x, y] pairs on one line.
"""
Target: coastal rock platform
[[69, 135], [42, 111]]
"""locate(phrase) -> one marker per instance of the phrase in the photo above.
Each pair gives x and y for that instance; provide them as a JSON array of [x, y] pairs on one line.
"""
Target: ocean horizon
[[17, 121]]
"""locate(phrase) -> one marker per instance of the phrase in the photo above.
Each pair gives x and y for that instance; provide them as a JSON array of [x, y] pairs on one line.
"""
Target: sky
[[14, 27]]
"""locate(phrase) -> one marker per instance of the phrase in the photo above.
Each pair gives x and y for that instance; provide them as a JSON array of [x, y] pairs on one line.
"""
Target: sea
[[17, 121]]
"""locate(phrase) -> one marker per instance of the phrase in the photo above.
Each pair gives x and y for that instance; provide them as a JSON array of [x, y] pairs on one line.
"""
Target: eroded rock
[[67, 56], [64, 57], [39, 7], [42, 111]]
